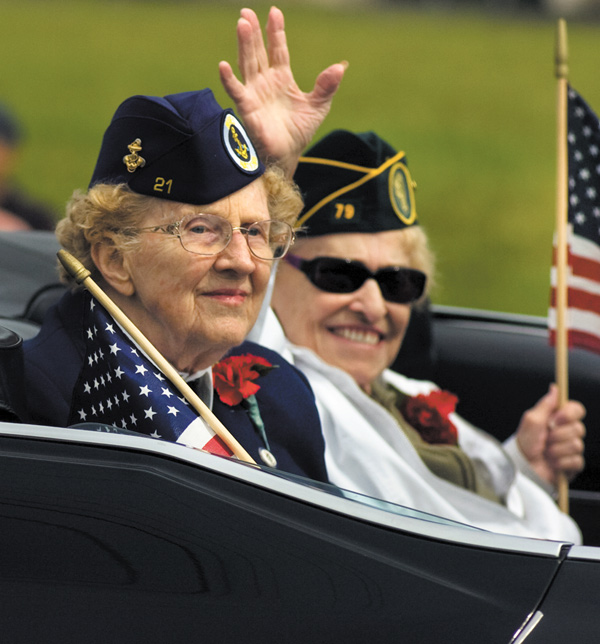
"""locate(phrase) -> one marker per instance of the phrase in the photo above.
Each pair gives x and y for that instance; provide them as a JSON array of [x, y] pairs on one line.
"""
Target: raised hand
[[281, 119]]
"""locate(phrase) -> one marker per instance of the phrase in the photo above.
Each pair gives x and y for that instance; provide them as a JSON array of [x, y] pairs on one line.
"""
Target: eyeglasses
[[204, 234], [336, 275]]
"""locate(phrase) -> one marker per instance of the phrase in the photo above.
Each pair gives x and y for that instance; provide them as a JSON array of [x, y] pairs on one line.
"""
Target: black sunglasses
[[335, 275]]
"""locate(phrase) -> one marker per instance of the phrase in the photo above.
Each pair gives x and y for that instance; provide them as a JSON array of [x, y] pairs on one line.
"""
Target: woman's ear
[[113, 267]]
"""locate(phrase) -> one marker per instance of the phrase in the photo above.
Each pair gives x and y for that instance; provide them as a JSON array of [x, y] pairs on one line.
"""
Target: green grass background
[[469, 96]]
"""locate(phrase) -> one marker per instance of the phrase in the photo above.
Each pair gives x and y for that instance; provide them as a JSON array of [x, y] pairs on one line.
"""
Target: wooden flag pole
[[82, 276], [562, 178]]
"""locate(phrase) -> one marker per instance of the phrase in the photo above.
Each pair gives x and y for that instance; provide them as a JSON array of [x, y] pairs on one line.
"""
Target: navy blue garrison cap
[[183, 147], [354, 183]]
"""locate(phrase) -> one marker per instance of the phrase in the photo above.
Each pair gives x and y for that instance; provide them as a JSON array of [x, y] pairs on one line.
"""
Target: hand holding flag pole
[[561, 359], [82, 276]]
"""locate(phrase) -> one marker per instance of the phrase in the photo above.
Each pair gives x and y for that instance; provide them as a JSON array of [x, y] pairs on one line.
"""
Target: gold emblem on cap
[[401, 191], [242, 148], [238, 145], [134, 161]]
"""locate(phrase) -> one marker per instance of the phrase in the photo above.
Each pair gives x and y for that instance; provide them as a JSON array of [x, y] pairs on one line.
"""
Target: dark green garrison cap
[[354, 183]]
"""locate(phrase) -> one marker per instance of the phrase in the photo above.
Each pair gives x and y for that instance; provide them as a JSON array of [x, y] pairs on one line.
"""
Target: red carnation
[[233, 377], [429, 415]]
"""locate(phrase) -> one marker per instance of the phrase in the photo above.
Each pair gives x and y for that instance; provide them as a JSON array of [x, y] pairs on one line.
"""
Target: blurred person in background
[[17, 210]]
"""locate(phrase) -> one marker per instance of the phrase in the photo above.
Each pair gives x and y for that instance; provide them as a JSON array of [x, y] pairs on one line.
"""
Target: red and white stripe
[[583, 281], [199, 435]]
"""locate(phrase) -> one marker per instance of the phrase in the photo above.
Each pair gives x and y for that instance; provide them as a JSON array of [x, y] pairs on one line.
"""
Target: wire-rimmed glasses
[[206, 234]]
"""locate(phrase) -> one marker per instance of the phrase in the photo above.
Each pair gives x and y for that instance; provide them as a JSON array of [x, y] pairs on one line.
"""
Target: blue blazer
[[54, 359]]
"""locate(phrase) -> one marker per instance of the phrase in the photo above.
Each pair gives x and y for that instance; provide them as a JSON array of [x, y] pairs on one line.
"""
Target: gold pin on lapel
[[134, 161]]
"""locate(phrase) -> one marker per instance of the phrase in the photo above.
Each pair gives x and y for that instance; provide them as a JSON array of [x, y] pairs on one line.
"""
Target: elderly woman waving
[[180, 226]]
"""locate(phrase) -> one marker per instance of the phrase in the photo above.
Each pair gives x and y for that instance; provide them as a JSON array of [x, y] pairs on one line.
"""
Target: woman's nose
[[236, 255], [369, 301]]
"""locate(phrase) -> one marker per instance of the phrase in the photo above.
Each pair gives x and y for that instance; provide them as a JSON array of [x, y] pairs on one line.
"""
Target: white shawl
[[368, 453]]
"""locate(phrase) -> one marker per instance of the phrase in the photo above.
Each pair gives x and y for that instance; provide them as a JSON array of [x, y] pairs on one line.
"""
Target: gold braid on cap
[[370, 173]]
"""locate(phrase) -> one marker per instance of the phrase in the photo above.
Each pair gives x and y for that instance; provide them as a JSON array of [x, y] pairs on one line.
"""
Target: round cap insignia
[[402, 196], [238, 144]]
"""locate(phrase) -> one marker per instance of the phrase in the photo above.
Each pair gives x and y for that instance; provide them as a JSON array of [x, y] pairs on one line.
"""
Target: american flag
[[120, 386], [583, 276]]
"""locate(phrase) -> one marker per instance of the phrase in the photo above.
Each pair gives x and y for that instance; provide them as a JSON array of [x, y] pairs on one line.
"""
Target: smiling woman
[[357, 331], [179, 227], [216, 297], [343, 302]]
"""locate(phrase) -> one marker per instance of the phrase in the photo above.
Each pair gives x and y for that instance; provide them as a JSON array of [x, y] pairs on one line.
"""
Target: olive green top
[[448, 462]]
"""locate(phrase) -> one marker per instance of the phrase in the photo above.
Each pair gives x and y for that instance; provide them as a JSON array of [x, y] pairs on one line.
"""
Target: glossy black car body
[[119, 537]]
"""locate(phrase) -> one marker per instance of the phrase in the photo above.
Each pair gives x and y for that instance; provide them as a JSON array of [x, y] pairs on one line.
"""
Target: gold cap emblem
[[133, 161], [238, 145], [401, 191]]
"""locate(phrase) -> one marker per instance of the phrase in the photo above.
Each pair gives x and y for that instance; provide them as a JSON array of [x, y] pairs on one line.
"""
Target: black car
[[113, 536]]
